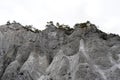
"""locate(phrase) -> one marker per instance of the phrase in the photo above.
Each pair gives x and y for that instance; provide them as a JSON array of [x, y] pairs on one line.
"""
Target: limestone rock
[[58, 53]]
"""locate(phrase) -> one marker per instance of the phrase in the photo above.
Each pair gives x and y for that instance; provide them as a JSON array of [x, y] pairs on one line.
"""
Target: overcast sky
[[104, 13]]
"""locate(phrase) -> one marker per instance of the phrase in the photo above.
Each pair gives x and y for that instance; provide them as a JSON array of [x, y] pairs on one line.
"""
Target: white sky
[[103, 13]]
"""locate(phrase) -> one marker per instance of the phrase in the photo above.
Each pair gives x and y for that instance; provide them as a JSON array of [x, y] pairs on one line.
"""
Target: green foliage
[[37, 31], [57, 24], [14, 22], [83, 25], [30, 28], [60, 27], [104, 36], [8, 23], [65, 28], [69, 31], [50, 24]]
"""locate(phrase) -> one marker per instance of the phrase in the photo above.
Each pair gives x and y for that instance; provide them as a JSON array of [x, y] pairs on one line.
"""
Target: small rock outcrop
[[58, 53]]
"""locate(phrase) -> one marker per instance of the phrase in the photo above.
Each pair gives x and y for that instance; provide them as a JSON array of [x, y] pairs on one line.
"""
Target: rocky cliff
[[58, 53]]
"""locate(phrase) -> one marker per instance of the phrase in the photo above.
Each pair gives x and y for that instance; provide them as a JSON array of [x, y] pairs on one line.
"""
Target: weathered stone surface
[[58, 53]]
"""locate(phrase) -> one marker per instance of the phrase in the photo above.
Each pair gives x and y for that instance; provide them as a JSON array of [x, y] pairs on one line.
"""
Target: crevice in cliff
[[90, 62], [9, 57]]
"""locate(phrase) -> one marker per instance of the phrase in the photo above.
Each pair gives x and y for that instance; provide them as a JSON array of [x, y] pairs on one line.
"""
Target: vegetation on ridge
[[66, 28]]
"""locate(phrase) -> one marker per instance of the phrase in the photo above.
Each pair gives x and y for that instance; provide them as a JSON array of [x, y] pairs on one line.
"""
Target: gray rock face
[[58, 53]]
